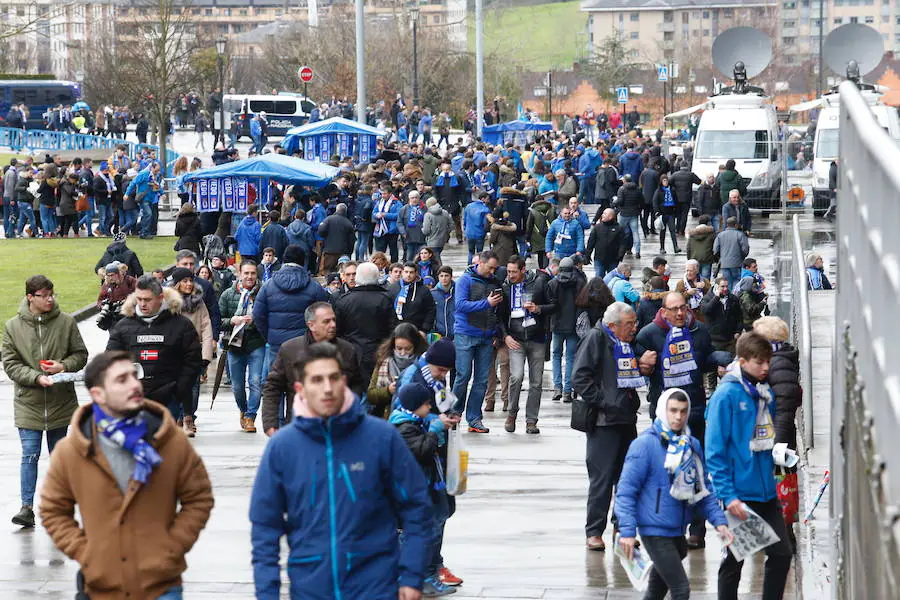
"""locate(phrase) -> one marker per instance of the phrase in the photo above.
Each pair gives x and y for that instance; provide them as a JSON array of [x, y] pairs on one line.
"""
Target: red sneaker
[[448, 578]]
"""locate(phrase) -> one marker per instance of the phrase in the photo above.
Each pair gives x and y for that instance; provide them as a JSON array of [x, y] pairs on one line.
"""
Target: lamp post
[[414, 17], [220, 63]]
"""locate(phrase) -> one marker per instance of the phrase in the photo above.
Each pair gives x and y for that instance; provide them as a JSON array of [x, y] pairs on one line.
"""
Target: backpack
[[582, 325], [212, 246], [540, 222]]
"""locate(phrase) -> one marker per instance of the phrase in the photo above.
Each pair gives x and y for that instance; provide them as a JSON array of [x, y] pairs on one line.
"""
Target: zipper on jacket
[[345, 475], [40, 319], [658, 494], [332, 508]]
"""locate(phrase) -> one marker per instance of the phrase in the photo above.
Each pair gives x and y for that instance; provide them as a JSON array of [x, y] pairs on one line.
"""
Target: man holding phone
[[477, 295], [39, 342]]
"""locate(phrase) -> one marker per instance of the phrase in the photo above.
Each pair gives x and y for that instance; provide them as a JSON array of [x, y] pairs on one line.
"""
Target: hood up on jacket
[[567, 277], [542, 206], [290, 278], [662, 402], [171, 301]]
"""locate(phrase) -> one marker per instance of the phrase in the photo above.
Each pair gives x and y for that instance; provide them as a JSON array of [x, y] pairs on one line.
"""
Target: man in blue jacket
[[740, 435], [144, 189], [248, 234], [475, 327], [630, 163], [475, 224], [341, 505], [565, 237], [588, 163]]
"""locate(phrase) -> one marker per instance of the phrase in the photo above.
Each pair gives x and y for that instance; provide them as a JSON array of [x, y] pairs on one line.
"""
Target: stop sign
[[305, 74]]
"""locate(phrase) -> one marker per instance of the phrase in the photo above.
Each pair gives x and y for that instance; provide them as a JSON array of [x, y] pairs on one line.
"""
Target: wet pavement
[[518, 531]]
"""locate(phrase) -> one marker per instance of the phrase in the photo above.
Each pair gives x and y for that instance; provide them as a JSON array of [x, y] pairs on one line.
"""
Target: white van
[[283, 112], [826, 145], [742, 127]]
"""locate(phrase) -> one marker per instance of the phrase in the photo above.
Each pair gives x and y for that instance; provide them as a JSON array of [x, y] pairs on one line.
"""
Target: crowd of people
[[350, 352]]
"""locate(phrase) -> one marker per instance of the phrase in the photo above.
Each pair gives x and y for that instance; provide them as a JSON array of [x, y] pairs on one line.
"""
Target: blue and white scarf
[[382, 206], [668, 200], [412, 216], [441, 399], [628, 375], [678, 357], [128, 434], [688, 481], [400, 300]]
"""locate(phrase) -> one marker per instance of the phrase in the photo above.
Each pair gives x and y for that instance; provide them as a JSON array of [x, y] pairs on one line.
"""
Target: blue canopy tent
[[517, 132], [226, 186], [323, 139]]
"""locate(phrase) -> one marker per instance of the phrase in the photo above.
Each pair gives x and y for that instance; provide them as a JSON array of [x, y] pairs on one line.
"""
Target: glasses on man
[[681, 308]]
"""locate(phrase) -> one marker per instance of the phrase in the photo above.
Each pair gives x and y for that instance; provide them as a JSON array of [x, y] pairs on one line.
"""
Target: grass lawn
[[69, 263], [536, 37], [5, 156]]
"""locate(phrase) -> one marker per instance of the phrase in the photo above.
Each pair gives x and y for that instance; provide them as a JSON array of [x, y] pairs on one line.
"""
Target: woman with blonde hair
[[784, 377]]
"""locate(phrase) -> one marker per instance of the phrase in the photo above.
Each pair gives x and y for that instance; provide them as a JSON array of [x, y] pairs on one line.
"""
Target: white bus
[[282, 112]]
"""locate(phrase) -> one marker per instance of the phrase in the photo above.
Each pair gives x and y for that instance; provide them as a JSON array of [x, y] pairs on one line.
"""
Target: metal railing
[[801, 328], [40, 139], [865, 446]]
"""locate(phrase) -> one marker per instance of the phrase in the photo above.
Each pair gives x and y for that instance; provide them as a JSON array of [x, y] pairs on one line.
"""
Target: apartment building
[[671, 30]]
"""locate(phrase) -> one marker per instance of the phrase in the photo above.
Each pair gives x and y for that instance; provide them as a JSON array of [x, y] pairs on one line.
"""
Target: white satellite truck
[[854, 49], [739, 122]]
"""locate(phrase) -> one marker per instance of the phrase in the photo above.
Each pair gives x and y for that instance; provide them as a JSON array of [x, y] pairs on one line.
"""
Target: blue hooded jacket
[[301, 234], [248, 234], [736, 471], [630, 163], [445, 315], [339, 505], [315, 217], [474, 220], [643, 501], [390, 217], [588, 163], [281, 302]]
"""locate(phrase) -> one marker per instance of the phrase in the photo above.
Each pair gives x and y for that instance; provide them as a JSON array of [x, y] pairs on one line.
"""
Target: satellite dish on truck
[[742, 53], [853, 50]]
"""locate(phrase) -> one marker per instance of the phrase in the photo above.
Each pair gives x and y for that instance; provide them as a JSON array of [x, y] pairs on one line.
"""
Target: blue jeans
[[131, 217], [586, 190], [412, 251], [48, 219], [440, 505], [632, 223], [600, 270], [705, 270], [173, 593], [87, 218], [31, 453], [8, 212], [471, 350], [732, 274], [271, 355], [247, 367], [26, 213], [104, 216], [146, 219], [571, 341], [716, 222], [362, 245], [475, 246], [437, 251]]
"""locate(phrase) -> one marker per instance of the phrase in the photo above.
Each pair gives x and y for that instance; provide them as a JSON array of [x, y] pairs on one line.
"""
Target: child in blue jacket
[[740, 435], [424, 433], [661, 487]]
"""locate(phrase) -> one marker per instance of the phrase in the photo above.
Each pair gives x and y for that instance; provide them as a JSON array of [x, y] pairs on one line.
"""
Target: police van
[[282, 112]]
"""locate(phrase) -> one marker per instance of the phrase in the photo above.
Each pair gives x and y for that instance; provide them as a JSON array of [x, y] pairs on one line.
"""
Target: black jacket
[[419, 308], [649, 184], [279, 381], [682, 182], [337, 230], [594, 379], [423, 445], [606, 184], [123, 254], [187, 228], [784, 379], [365, 318], [562, 291], [607, 243], [168, 350], [708, 200], [648, 307], [537, 287], [722, 323], [629, 200]]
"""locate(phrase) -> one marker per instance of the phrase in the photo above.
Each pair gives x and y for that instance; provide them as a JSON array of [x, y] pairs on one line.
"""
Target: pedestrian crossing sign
[[622, 95], [662, 72]]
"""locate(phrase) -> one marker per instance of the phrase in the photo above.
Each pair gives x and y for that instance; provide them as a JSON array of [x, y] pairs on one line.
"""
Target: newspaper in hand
[[750, 536], [66, 377], [638, 567]]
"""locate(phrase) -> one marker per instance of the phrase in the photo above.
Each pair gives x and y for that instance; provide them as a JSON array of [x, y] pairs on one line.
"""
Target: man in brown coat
[[127, 466]]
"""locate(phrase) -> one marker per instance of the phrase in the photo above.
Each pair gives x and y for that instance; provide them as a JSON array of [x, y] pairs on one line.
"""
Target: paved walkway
[[518, 532]]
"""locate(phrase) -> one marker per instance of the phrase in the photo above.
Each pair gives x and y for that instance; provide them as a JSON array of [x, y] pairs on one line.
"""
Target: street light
[[414, 16], [220, 63]]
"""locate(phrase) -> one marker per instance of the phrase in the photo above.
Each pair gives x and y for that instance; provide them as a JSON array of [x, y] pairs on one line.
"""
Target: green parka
[[29, 339]]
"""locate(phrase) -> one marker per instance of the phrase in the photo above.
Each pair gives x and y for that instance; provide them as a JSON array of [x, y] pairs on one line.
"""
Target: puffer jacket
[[700, 244], [474, 315], [365, 317], [437, 226], [503, 240], [377, 488], [784, 379], [570, 237], [562, 291], [280, 305], [643, 502], [168, 349], [118, 251], [29, 339], [629, 200], [187, 228]]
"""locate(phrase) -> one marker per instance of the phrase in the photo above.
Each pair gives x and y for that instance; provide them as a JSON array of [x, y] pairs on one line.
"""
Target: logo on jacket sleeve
[[149, 355]]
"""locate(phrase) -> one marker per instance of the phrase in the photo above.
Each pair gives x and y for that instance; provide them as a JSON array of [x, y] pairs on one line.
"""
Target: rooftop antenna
[[853, 50], [742, 53]]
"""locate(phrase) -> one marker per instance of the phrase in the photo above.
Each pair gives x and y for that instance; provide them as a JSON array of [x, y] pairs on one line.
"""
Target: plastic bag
[[788, 494], [637, 567], [457, 463]]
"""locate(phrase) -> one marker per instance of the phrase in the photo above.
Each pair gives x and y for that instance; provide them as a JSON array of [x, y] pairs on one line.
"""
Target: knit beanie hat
[[294, 254], [442, 353], [181, 273], [413, 395]]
